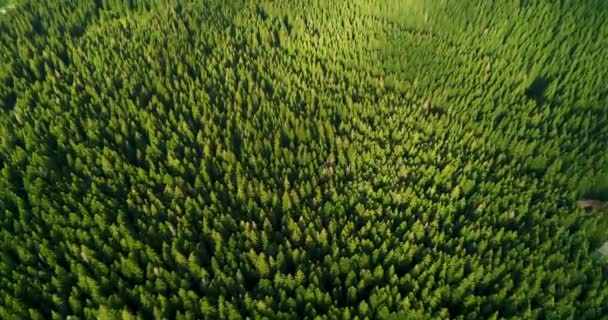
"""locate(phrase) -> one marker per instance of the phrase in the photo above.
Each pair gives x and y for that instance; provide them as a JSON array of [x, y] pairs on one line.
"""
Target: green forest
[[287, 159]]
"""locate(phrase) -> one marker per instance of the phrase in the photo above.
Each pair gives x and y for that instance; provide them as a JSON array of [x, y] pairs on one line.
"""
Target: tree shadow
[[537, 89], [261, 12], [9, 101]]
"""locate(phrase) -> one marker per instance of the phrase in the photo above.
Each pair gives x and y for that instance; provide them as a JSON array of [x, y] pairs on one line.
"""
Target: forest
[[286, 159]]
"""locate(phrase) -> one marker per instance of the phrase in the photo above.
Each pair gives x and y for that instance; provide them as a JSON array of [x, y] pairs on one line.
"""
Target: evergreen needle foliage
[[364, 159]]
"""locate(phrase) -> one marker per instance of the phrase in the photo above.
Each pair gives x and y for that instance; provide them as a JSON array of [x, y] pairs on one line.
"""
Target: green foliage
[[382, 159], [595, 187], [538, 164]]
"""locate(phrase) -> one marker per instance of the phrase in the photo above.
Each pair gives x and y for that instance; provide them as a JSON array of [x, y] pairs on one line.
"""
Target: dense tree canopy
[[370, 159]]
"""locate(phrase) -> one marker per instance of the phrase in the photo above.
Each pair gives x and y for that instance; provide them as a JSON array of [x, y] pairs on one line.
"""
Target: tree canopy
[[366, 159]]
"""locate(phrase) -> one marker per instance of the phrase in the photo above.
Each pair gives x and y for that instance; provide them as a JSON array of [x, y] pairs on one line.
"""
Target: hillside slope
[[367, 159]]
